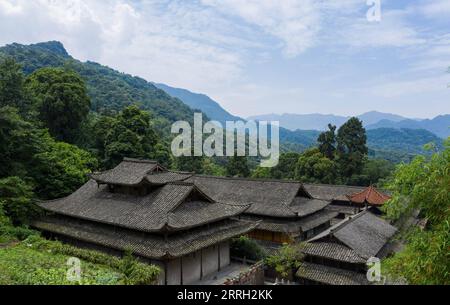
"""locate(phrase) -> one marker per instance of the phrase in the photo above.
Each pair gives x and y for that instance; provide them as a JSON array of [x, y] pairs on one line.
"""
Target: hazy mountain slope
[[317, 121], [440, 125], [201, 102], [108, 88], [302, 121]]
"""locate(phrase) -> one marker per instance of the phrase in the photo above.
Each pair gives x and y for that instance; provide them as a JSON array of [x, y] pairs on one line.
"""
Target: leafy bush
[[288, 258], [16, 196], [246, 247]]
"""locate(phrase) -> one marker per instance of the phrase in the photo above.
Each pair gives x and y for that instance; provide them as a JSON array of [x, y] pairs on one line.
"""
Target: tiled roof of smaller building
[[329, 275], [370, 196], [331, 192], [333, 251], [276, 198], [364, 233]]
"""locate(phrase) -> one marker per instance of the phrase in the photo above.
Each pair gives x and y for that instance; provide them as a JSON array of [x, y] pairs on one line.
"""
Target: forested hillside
[[108, 89]]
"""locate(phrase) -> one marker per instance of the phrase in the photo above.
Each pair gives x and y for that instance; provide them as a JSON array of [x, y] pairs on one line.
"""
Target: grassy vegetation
[[26, 264], [37, 261]]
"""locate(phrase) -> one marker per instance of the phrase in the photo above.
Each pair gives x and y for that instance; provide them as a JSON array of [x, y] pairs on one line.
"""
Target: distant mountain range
[[111, 90], [371, 120]]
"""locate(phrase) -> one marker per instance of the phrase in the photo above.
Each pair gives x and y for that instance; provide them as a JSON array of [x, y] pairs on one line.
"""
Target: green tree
[[62, 102], [237, 166], [16, 196], [351, 148], [327, 142], [373, 172], [286, 166], [190, 164], [425, 185], [130, 135], [61, 169], [20, 140], [12, 92], [312, 166]]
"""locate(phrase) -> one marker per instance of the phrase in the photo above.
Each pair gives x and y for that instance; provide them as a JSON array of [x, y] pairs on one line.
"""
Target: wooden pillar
[[201, 263], [181, 270], [218, 256]]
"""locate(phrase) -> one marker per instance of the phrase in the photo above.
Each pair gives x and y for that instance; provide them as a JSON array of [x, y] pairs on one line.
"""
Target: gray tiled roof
[[306, 206], [166, 177], [364, 233], [276, 198], [332, 251], [128, 172], [331, 192], [144, 244], [167, 207], [292, 225], [329, 275]]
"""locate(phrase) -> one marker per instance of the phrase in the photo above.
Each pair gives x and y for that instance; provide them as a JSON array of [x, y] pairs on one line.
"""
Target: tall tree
[[12, 92], [312, 166], [327, 142], [62, 102], [19, 141], [237, 166], [351, 148], [131, 135]]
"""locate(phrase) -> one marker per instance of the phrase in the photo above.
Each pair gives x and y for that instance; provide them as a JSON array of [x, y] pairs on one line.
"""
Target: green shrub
[[288, 258], [246, 247]]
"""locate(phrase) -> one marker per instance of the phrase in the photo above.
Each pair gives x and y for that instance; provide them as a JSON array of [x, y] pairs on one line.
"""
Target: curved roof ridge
[[250, 179], [136, 160]]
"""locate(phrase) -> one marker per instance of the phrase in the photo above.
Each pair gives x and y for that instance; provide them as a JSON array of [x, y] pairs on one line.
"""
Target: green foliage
[[327, 142], [62, 102], [25, 265], [351, 147], [245, 247], [237, 167], [425, 185], [61, 169], [54, 255], [190, 164], [16, 196], [109, 90], [20, 140], [12, 80], [287, 259], [130, 135], [374, 171], [312, 166]]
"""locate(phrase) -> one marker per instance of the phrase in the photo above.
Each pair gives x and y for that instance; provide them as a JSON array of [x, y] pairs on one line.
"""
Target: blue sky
[[255, 57]]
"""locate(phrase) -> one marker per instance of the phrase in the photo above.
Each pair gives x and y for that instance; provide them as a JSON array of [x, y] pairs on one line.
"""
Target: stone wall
[[253, 276]]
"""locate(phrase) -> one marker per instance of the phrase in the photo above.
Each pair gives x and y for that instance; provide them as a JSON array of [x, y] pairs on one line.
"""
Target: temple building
[[184, 222], [140, 206], [286, 210], [338, 256], [348, 200]]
